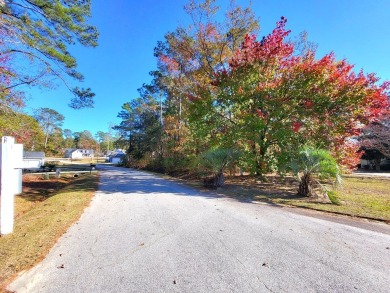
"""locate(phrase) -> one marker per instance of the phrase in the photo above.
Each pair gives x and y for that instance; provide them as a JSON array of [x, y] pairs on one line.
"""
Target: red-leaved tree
[[276, 101]]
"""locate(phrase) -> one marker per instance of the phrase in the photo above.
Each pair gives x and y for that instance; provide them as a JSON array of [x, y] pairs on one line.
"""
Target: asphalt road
[[146, 234]]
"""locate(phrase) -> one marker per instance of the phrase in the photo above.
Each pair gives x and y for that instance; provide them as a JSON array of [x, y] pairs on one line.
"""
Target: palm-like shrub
[[216, 161], [313, 165]]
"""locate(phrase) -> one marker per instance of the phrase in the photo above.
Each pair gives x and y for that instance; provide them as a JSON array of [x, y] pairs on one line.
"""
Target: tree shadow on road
[[128, 181], [135, 182]]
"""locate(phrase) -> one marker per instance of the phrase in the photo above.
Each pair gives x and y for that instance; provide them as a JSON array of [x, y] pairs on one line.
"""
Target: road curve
[[142, 233]]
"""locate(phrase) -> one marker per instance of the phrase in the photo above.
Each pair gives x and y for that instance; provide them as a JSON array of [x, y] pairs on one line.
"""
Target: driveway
[[142, 233]]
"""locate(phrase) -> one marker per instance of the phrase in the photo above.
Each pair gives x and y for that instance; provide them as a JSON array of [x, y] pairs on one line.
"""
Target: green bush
[[176, 164], [216, 161], [312, 165]]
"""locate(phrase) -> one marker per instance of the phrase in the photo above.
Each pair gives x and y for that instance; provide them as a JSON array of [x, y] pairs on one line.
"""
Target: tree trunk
[[219, 179], [377, 164], [261, 163], [46, 139], [305, 186]]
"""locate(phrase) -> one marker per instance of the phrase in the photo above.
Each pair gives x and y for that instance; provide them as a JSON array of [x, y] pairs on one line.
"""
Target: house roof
[[116, 152], [33, 155], [69, 151]]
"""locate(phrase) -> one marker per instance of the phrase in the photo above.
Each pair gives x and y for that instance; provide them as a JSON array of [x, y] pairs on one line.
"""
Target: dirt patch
[[36, 189], [269, 188]]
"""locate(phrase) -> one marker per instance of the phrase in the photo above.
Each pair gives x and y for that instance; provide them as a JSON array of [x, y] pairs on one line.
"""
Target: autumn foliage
[[225, 89], [278, 100]]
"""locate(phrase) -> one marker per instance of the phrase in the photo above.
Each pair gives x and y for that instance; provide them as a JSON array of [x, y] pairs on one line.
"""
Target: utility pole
[[161, 119]]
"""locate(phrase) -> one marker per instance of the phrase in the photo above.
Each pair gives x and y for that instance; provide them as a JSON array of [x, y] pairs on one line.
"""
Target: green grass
[[363, 197], [41, 218], [333, 197]]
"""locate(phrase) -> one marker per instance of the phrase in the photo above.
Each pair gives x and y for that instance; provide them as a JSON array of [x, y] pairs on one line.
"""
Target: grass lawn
[[362, 197], [43, 212], [87, 161]]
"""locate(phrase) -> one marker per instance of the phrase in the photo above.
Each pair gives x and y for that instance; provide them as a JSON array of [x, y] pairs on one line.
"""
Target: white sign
[[11, 165], [30, 164], [11, 155], [17, 158], [6, 191]]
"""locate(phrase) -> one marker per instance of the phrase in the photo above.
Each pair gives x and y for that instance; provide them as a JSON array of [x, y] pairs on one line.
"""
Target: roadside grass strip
[[40, 219], [361, 197]]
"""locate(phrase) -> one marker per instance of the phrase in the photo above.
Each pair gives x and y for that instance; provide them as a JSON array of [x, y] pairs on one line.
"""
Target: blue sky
[[129, 30]]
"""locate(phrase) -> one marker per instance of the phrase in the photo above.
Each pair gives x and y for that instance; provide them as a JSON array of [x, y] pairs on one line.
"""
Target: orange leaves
[[171, 64], [209, 31]]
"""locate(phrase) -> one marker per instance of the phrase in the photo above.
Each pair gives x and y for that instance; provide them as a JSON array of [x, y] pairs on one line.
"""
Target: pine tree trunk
[[46, 139], [305, 186]]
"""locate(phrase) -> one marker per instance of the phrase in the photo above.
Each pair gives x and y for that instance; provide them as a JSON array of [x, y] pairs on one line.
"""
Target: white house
[[116, 157], [78, 153], [33, 160]]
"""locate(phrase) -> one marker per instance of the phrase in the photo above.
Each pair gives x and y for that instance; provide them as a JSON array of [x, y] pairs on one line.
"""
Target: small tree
[[50, 120], [216, 161], [311, 165]]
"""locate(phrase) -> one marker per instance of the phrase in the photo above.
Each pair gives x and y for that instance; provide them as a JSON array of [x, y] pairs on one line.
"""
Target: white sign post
[[11, 165], [11, 157], [18, 166]]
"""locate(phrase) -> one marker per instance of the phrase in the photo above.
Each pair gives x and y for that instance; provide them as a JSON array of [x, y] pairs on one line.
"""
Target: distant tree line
[[43, 132]]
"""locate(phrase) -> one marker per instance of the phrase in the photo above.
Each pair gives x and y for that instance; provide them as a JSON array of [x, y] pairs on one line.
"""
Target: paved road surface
[[370, 174], [145, 234]]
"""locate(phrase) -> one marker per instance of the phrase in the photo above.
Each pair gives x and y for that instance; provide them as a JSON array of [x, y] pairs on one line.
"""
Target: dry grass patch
[[43, 212]]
